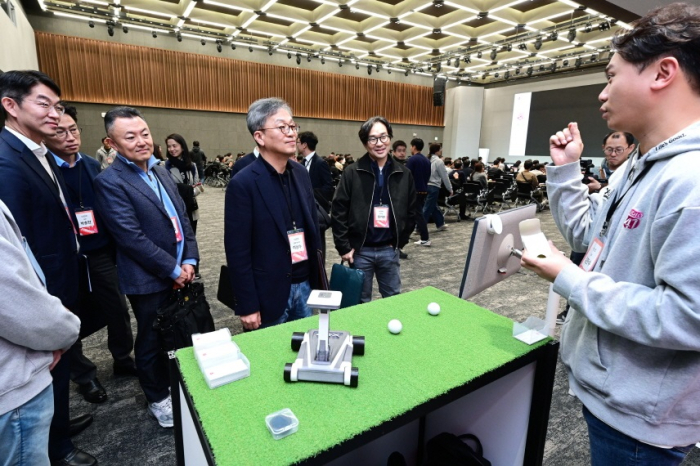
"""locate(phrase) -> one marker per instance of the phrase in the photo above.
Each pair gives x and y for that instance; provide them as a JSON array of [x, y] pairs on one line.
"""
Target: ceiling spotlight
[[153, 33], [529, 71], [388, 71], [308, 57], [613, 22], [604, 26], [541, 67], [554, 35], [203, 42], [509, 47], [289, 55], [467, 59], [594, 57], [438, 67], [298, 59], [269, 51], [377, 68], [323, 60], [178, 36], [507, 75], [449, 62], [538, 43], [369, 69], [479, 54], [589, 27], [496, 75], [233, 46], [340, 63], [571, 35], [250, 49], [522, 46], [553, 67], [357, 66], [91, 24], [457, 62], [437, 3], [110, 31], [565, 63], [405, 73], [219, 47], [578, 62], [494, 53], [517, 71], [125, 29]]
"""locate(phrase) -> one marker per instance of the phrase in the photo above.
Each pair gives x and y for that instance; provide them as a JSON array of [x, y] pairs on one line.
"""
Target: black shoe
[[79, 424], [125, 370], [465, 217], [93, 391], [562, 317], [402, 255], [76, 458]]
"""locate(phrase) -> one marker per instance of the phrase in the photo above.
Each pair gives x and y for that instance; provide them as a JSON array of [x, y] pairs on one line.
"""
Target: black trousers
[[106, 300], [421, 224], [151, 362], [60, 443]]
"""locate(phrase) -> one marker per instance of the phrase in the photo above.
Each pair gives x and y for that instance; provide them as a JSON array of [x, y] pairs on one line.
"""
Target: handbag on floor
[[184, 313], [349, 281]]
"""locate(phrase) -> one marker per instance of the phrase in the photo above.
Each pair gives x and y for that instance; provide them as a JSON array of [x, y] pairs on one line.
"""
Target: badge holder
[[534, 329]]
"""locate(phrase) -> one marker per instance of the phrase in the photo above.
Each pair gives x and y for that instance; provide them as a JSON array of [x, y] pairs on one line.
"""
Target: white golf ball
[[433, 309], [395, 326]]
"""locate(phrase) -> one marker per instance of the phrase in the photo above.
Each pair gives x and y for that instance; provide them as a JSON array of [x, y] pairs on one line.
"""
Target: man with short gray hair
[[270, 226]]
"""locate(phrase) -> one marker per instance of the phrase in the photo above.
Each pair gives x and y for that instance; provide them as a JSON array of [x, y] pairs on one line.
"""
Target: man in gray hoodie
[[631, 343], [36, 329]]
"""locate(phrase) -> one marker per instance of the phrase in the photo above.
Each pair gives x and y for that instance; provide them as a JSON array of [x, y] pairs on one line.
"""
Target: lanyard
[[288, 195], [618, 200]]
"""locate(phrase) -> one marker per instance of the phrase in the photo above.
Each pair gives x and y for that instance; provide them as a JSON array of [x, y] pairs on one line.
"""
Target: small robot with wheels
[[323, 355]]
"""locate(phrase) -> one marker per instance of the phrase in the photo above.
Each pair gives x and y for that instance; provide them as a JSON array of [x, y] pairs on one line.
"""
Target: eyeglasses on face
[[62, 133], [58, 108], [384, 138], [285, 129], [616, 150]]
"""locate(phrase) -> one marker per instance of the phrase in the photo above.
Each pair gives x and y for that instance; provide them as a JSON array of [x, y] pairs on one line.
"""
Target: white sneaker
[[162, 411], [422, 243]]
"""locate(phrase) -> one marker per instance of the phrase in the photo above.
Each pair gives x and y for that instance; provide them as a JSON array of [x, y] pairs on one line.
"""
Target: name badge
[[176, 227], [591, 258], [297, 245], [381, 216], [86, 222]]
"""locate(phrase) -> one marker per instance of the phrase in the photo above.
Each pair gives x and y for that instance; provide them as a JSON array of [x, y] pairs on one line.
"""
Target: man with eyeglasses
[[271, 233], [374, 210], [617, 146], [34, 191], [99, 286]]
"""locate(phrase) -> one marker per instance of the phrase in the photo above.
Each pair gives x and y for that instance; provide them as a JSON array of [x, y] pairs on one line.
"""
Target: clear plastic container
[[282, 423]]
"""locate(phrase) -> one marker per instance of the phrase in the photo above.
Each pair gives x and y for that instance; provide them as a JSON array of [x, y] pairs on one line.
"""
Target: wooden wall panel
[[95, 71]]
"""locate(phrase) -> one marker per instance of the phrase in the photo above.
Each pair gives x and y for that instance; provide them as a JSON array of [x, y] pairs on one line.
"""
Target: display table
[[460, 371]]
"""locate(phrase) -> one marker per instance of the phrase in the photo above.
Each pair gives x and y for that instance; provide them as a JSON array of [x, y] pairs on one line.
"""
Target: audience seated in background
[[526, 176]]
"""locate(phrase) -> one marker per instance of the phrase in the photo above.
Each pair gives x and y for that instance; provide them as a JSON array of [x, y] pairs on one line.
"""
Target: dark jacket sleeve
[[340, 213], [404, 235], [324, 175]]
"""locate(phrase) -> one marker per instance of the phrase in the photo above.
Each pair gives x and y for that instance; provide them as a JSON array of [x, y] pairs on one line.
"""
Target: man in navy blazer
[[244, 162], [156, 247], [270, 225], [34, 191], [319, 171]]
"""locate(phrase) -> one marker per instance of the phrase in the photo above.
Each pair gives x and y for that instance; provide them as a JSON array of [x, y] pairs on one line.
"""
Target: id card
[[86, 222], [591, 258], [381, 216], [176, 227], [297, 245], [70, 218]]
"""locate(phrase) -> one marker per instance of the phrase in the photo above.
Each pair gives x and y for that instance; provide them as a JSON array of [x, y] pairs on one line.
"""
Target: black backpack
[[448, 449]]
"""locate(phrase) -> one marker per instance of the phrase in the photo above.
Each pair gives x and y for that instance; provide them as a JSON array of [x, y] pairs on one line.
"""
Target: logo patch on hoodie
[[634, 218]]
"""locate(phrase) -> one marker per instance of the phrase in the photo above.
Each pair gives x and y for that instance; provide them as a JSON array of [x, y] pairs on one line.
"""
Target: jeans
[[610, 447], [24, 432], [431, 208], [151, 363], [384, 262], [421, 224], [296, 305]]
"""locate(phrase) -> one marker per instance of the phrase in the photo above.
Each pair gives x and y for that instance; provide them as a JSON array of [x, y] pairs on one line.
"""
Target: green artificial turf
[[430, 356]]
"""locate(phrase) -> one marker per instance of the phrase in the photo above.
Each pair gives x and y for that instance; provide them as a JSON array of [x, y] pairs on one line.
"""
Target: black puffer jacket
[[352, 204]]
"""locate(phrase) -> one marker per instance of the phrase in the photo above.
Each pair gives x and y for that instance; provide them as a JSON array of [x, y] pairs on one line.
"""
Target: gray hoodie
[[631, 342], [34, 323]]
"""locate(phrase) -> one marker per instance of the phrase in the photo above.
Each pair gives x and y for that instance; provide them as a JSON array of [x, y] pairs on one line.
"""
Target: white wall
[[17, 49], [464, 108], [498, 105]]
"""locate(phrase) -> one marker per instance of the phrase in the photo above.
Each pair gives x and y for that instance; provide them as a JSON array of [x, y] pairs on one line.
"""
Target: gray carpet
[[124, 434]]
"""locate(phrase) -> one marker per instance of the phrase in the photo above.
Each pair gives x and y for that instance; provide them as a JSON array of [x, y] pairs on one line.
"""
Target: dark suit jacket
[[32, 197], [257, 246], [321, 181], [242, 163], [141, 227]]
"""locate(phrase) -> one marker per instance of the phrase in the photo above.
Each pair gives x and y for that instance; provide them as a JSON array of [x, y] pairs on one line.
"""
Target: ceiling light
[[298, 59], [438, 67], [522, 46], [153, 33], [340, 63], [357, 66], [233, 46], [219, 47], [529, 71], [388, 71], [405, 73], [203, 42], [250, 49], [554, 35], [269, 51], [323, 60], [572, 34], [125, 29], [110, 31], [369, 69], [289, 55], [507, 75], [178, 36], [308, 57], [604, 26], [496, 75], [437, 3], [449, 62], [494, 54], [553, 66], [378, 68], [509, 47], [541, 67], [479, 54], [467, 59], [91, 24], [538, 43], [594, 57], [578, 62], [457, 62], [589, 27], [565, 63]]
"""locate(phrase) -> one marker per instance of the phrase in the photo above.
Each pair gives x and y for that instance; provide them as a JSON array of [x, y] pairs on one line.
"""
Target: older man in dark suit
[[33, 189], [156, 247], [270, 225]]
